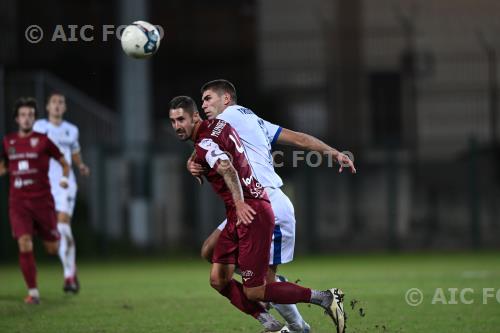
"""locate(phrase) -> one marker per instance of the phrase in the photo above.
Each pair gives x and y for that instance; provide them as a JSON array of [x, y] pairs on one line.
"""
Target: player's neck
[[195, 131], [55, 120], [24, 133]]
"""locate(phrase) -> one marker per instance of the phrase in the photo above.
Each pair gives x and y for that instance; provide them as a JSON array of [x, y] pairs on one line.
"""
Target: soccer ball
[[140, 40]]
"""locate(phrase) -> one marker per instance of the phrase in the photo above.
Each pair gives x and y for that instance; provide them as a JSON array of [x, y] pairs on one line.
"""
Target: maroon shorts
[[247, 246], [35, 216]]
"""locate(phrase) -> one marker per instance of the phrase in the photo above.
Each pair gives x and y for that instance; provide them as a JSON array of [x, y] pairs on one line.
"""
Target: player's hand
[[64, 183], [195, 169], [244, 212], [84, 170], [345, 162]]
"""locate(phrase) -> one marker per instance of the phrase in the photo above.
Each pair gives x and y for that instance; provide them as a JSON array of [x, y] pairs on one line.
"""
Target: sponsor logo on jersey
[[12, 150], [18, 182], [33, 142], [218, 128], [247, 274]]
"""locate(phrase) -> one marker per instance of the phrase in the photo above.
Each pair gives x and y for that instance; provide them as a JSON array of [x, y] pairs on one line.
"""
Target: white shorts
[[64, 198], [283, 243]]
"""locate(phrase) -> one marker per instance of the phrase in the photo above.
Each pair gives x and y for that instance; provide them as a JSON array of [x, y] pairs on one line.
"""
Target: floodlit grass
[[174, 295]]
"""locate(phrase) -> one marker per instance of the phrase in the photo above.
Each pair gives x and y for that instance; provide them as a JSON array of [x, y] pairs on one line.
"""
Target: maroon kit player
[[246, 239], [25, 157]]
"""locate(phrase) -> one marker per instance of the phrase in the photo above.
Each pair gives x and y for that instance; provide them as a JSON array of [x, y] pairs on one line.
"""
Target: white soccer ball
[[140, 40]]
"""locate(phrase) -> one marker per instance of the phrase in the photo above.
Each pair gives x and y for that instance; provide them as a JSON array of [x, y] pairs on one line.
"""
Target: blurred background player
[[25, 156], [65, 136], [246, 238], [257, 135]]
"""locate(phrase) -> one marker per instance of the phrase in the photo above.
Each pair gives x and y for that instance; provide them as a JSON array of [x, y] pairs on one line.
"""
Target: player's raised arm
[[244, 212], [309, 142]]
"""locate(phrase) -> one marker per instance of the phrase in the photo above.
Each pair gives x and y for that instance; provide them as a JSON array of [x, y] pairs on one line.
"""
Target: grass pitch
[[174, 296]]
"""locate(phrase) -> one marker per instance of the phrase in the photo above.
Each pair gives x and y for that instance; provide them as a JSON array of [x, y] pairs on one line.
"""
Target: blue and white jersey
[[65, 136], [257, 136]]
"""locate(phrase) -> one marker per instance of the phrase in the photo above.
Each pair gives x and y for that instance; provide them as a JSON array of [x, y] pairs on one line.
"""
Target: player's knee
[[25, 243], [52, 247], [206, 252], [63, 218], [218, 283], [255, 294]]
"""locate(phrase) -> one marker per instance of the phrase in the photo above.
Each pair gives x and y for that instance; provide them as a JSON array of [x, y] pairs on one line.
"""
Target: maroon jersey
[[217, 140], [28, 163]]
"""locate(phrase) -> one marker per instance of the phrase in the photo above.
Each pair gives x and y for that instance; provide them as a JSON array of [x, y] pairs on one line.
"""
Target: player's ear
[[196, 116], [227, 98]]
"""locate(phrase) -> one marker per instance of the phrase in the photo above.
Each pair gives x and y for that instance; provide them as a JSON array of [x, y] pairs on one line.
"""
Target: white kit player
[[257, 135], [65, 136]]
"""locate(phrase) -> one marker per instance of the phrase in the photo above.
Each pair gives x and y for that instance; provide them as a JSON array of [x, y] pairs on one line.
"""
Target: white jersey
[[257, 135], [65, 136]]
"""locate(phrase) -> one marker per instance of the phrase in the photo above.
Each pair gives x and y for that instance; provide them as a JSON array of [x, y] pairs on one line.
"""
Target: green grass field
[[174, 296]]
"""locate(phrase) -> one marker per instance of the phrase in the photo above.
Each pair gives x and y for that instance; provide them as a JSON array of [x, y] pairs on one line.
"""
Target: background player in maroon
[[246, 238], [25, 156]]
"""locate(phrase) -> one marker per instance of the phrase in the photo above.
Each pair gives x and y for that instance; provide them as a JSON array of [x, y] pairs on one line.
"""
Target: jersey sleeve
[[53, 150], [273, 131], [210, 151], [75, 145]]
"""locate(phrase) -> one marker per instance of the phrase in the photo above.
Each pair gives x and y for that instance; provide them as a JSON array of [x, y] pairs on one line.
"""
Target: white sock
[[291, 314], [34, 292], [67, 250]]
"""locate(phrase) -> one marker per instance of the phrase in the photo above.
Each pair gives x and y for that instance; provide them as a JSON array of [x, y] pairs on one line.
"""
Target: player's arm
[[76, 155], [196, 170], [65, 166], [78, 161], [244, 212], [3, 158], [3, 168], [309, 142]]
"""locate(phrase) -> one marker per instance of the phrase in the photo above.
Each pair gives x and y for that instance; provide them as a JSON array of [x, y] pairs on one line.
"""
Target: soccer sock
[[286, 293], [290, 312], [321, 298], [67, 249], [28, 267], [234, 292]]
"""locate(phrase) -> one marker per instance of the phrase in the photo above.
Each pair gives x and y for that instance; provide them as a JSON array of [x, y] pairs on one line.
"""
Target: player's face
[[214, 104], [56, 106], [182, 123], [25, 118]]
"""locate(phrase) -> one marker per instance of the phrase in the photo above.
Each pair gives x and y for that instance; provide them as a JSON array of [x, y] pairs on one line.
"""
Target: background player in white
[[219, 101], [65, 136]]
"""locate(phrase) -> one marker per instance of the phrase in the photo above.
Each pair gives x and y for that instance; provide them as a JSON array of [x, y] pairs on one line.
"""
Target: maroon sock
[[286, 293], [234, 292], [28, 267]]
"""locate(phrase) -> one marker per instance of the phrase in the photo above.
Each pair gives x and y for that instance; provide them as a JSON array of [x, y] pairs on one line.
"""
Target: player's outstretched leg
[[290, 312], [28, 268], [289, 293]]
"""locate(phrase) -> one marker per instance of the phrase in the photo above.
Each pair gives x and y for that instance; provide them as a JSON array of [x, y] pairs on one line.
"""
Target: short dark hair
[[54, 93], [221, 85], [24, 101], [184, 102]]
